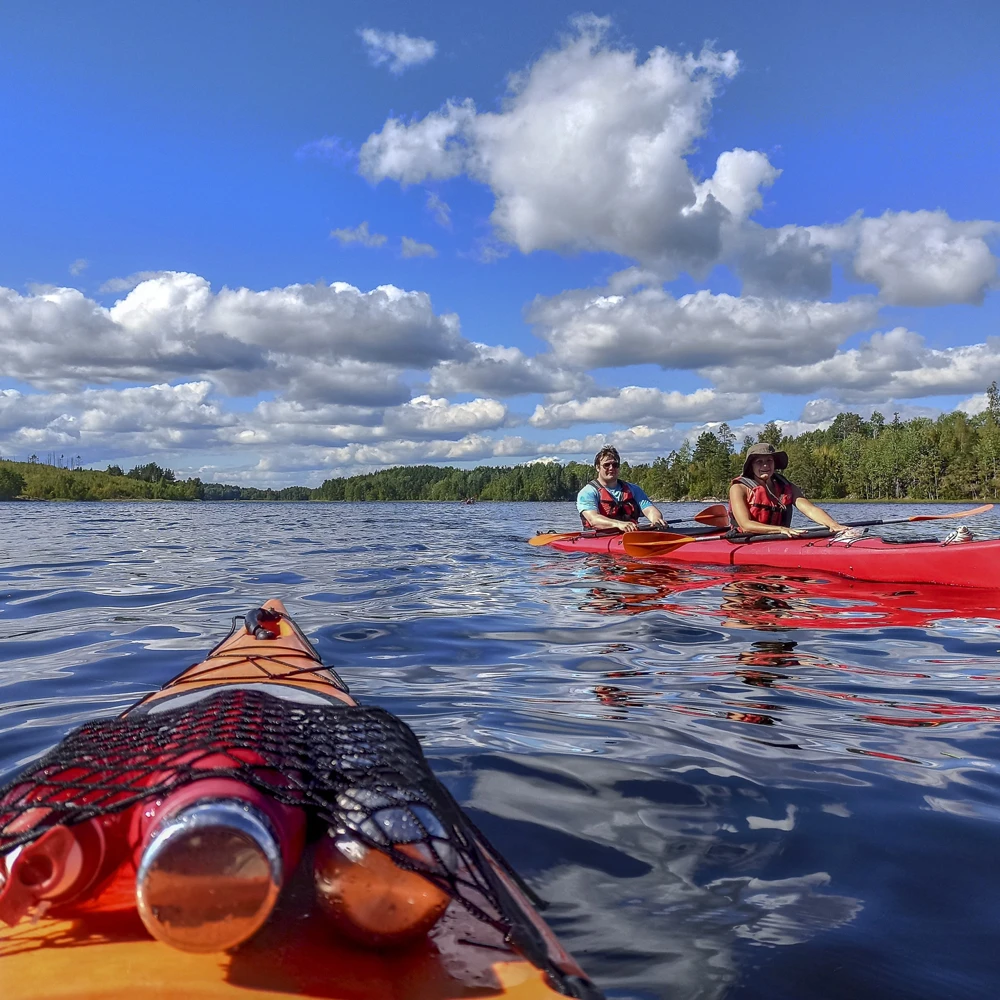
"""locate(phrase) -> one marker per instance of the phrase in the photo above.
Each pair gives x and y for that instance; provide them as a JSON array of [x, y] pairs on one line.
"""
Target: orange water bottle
[[369, 898]]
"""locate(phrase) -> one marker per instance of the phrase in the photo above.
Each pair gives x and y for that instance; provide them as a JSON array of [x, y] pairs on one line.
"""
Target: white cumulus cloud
[[359, 234], [410, 247], [589, 328], [400, 51], [639, 403], [588, 152], [116, 286], [822, 412], [977, 403], [422, 418], [426, 416], [897, 364], [918, 258], [507, 371], [135, 420], [739, 176], [174, 326], [440, 209]]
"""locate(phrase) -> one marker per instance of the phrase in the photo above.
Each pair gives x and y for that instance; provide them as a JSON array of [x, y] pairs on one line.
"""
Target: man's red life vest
[[767, 506], [626, 509]]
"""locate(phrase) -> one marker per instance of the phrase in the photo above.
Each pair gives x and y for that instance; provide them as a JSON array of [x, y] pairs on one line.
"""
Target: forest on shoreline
[[955, 457]]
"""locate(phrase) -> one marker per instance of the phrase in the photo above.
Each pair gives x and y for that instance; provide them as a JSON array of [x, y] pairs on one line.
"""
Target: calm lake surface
[[727, 785]]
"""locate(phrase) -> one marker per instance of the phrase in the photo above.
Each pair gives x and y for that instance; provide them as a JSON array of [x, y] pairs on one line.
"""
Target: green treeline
[[39, 481], [540, 481], [955, 457]]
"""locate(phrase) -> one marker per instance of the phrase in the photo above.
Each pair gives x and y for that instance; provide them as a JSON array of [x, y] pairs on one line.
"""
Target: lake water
[[726, 785]]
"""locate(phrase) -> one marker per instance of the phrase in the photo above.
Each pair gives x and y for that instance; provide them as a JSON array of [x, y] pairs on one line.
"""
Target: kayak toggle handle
[[255, 623]]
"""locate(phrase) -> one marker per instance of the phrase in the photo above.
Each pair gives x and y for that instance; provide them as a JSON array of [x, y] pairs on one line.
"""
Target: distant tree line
[[35, 480], [955, 457], [538, 481]]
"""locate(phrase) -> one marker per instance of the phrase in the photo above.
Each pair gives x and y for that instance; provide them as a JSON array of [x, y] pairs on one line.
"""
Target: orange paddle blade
[[544, 539], [648, 543], [717, 516], [959, 513]]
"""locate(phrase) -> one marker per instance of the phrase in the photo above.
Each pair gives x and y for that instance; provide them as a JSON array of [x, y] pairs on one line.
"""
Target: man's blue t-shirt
[[586, 499]]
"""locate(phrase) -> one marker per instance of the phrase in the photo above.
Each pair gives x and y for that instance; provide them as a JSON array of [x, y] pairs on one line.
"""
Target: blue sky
[[267, 245]]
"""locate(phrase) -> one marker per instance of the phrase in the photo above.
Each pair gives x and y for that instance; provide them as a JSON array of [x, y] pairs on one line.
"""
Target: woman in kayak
[[761, 502], [608, 502]]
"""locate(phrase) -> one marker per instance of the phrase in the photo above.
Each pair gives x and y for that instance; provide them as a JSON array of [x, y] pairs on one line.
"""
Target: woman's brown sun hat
[[763, 448]]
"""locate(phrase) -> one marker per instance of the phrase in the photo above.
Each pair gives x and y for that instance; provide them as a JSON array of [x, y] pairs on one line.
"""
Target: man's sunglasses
[[610, 465]]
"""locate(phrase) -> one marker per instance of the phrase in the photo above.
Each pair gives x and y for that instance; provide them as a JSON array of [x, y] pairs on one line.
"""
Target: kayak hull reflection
[[765, 598]]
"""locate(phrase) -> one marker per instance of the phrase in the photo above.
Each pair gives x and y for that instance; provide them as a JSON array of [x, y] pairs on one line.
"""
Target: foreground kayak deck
[[963, 564], [112, 955], [98, 945]]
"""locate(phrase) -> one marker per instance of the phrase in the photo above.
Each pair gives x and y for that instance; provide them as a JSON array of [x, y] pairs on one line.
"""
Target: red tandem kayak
[[958, 564]]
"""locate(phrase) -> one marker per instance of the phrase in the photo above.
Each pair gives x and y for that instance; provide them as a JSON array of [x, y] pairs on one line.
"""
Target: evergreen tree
[[846, 424], [726, 437], [11, 484], [993, 402], [771, 434], [150, 473]]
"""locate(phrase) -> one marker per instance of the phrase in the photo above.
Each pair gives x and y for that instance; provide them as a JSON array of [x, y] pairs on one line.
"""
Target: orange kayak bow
[[250, 830]]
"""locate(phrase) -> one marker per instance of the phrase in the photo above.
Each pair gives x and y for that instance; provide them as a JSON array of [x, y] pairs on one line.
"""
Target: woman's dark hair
[[608, 451]]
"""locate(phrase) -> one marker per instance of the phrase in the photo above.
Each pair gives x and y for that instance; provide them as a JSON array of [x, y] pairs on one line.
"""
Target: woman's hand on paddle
[[791, 532], [626, 526]]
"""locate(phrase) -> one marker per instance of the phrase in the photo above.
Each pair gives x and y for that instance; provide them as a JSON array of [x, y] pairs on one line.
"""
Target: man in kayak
[[610, 502], [761, 502]]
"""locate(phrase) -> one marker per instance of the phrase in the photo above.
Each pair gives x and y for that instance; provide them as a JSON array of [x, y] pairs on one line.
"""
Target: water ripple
[[727, 784]]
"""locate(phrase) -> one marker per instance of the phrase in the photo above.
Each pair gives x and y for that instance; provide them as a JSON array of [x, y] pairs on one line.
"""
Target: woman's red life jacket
[[767, 506], [626, 509]]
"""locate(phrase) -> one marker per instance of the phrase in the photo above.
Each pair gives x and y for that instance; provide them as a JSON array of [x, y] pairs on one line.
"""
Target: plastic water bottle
[[65, 864], [369, 898]]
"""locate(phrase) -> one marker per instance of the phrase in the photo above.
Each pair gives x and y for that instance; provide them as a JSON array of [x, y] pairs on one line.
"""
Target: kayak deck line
[[109, 838]]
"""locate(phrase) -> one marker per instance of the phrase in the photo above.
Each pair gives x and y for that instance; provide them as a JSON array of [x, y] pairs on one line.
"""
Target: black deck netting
[[345, 765]]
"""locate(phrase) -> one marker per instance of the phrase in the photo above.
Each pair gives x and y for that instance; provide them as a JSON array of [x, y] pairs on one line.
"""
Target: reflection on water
[[727, 784], [767, 599]]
